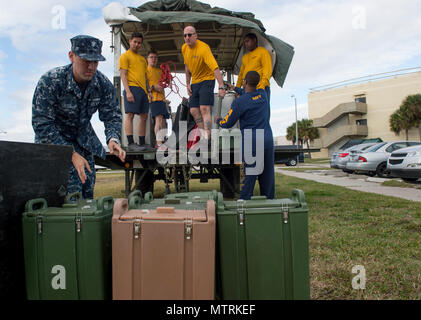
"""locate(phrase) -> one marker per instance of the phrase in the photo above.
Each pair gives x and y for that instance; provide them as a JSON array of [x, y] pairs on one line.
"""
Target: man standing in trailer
[[201, 72]]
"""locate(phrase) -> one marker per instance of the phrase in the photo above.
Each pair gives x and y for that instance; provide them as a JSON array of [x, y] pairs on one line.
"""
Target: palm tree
[[291, 133], [400, 120], [308, 132], [412, 107]]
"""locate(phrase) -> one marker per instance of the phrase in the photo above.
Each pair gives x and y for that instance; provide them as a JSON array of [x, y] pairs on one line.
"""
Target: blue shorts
[[159, 108], [141, 102], [202, 94]]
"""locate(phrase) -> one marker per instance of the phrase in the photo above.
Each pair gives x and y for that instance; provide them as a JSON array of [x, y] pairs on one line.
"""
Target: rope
[[167, 80]]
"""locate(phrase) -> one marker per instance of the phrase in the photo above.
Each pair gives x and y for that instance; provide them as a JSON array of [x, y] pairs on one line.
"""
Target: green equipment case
[[263, 249], [67, 250]]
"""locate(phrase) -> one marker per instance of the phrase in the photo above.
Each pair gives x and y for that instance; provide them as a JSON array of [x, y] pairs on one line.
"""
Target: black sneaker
[[147, 147], [133, 147]]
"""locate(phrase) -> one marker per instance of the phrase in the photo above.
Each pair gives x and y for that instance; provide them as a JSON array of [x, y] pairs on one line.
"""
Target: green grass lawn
[[346, 228], [401, 184], [316, 161], [303, 169]]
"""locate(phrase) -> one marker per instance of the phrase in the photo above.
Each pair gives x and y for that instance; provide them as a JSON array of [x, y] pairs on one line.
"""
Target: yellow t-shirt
[[153, 75], [135, 65], [258, 60], [200, 61]]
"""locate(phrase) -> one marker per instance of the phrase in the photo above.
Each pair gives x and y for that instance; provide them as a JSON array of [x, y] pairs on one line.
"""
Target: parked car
[[340, 158], [406, 163], [374, 160], [354, 142]]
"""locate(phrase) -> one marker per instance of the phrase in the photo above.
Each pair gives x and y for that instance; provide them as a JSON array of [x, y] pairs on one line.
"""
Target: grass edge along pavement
[[346, 228]]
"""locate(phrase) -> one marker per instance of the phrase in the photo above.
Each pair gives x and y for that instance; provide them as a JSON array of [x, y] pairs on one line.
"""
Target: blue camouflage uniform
[[61, 114], [252, 109]]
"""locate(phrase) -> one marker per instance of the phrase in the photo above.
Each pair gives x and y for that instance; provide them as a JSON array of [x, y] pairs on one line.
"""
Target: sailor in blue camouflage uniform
[[252, 110], [63, 104]]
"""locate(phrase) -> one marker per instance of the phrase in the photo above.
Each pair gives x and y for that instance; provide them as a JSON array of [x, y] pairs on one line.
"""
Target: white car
[[374, 160], [340, 158], [405, 163]]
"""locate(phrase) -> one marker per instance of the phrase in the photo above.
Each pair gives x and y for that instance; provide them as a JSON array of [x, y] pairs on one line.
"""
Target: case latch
[[240, 211], [188, 228], [39, 224], [136, 227], [285, 212]]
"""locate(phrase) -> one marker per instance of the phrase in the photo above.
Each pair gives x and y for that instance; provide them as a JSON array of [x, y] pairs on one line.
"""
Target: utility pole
[[296, 128]]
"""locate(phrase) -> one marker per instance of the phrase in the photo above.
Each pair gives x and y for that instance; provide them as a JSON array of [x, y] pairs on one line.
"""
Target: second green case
[[263, 249]]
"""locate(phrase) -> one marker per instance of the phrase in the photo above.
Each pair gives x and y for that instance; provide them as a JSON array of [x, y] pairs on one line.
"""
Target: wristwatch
[[221, 88]]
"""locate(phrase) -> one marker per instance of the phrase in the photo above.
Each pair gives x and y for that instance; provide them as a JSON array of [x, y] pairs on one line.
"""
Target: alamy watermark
[[59, 17], [359, 17], [58, 282], [358, 282], [247, 147]]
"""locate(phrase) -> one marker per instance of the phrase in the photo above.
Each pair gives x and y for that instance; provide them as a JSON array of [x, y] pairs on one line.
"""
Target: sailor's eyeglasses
[[188, 35]]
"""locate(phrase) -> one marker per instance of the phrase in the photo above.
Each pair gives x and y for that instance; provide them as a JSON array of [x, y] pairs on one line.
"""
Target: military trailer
[[161, 24]]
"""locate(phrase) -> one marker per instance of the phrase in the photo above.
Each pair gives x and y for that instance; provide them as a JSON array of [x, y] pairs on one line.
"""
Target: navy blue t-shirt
[[252, 109]]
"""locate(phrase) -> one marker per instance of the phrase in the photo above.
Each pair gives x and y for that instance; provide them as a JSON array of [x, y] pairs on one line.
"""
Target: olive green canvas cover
[[192, 11]]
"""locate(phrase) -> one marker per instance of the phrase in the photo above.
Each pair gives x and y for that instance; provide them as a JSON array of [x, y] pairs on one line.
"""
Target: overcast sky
[[334, 40]]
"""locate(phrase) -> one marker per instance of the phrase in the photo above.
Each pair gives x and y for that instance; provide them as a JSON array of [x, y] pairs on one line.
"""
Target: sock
[[130, 139], [141, 140]]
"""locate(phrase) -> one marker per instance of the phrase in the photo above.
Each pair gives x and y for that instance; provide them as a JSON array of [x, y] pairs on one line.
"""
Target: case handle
[[148, 197], [258, 198], [165, 210], [29, 207], [67, 199], [105, 203], [298, 196], [180, 196], [172, 201], [135, 199]]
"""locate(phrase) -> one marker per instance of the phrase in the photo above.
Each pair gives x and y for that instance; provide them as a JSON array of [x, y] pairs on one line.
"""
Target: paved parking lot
[[355, 182]]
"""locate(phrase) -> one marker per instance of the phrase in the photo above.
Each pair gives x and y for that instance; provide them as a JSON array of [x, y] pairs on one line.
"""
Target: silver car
[[406, 163], [340, 158], [374, 160]]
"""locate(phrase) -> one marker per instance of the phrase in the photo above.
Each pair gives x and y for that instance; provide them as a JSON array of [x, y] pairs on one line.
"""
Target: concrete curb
[[358, 184]]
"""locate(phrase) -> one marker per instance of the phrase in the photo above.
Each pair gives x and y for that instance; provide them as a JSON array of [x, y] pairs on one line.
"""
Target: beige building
[[281, 141], [360, 109]]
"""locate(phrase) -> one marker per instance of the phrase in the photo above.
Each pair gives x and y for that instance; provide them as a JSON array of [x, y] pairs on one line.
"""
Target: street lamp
[[296, 127]]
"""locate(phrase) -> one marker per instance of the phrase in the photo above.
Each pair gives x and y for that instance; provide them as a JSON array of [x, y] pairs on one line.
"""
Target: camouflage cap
[[87, 47]]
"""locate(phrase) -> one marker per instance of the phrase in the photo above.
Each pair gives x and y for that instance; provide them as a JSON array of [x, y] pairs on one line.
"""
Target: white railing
[[369, 78]]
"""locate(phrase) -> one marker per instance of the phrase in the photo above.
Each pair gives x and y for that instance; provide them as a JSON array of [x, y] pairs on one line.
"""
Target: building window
[[361, 99], [361, 122]]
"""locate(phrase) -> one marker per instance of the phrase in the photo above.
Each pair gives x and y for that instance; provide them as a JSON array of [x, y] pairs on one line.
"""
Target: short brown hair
[[152, 51], [136, 35]]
